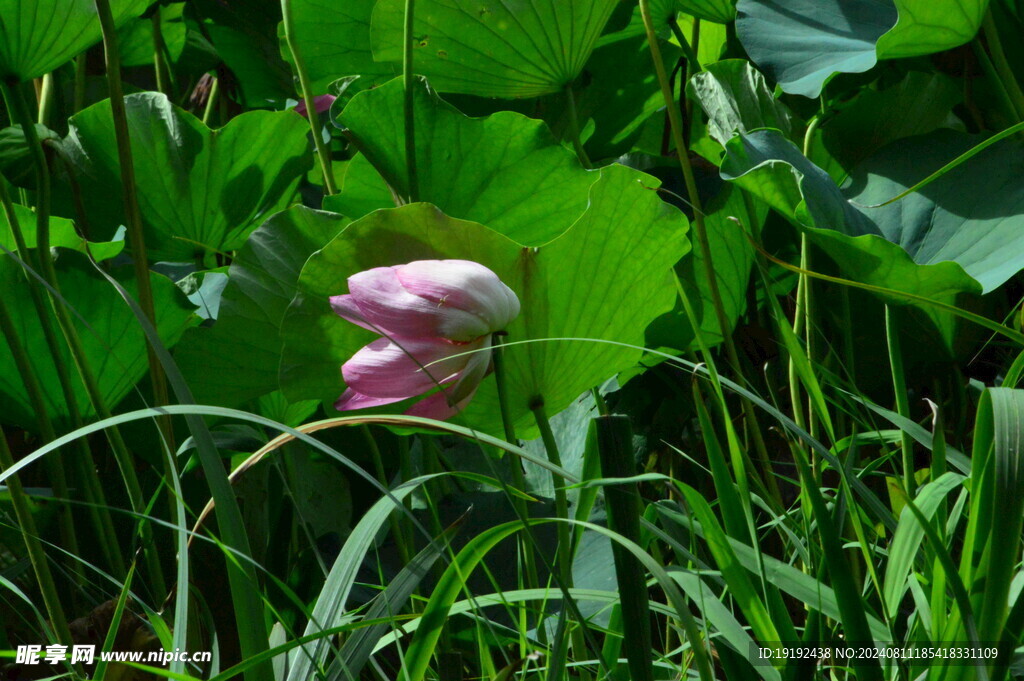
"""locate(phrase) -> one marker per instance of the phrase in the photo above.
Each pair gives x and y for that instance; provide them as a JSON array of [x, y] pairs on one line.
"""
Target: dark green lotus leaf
[[800, 44], [733, 257], [736, 99], [956, 236], [37, 36], [112, 339], [972, 215], [362, 190], [333, 39], [199, 189], [15, 156], [920, 103], [505, 171], [925, 27], [245, 35], [719, 11], [493, 48], [236, 360], [135, 39], [607, 277], [618, 92], [62, 235]]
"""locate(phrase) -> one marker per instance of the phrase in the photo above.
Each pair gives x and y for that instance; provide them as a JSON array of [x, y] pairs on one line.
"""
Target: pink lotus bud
[[432, 315], [322, 103]]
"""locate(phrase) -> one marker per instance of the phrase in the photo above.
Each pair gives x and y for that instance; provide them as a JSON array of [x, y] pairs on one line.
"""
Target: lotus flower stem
[[547, 436], [574, 128], [514, 466], [676, 124], [133, 216], [408, 111], [322, 150], [20, 114], [87, 466]]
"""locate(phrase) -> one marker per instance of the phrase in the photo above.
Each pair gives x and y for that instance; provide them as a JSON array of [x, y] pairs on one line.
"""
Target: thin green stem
[[322, 150], [408, 110], [45, 99], [23, 512], [1002, 65], [515, 467], [382, 478], [54, 465], [84, 459], [574, 127], [676, 124], [565, 545], [1002, 94], [899, 384], [211, 100], [160, 67], [80, 76], [20, 113], [558, 483], [133, 216]]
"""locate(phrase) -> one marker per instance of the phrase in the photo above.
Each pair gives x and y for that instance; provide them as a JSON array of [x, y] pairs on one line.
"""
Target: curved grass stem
[[21, 115]]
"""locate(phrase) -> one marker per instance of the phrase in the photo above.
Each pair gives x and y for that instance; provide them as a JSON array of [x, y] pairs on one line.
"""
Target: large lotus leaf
[[926, 26], [719, 11], [736, 99], [493, 48], [333, 39], [112, 339], [918, 104], [607, 277], [800, 44], [62, 234], [198, 189], [972, 215], [37, 36], [237, 359], [505, 171], [896, 247]]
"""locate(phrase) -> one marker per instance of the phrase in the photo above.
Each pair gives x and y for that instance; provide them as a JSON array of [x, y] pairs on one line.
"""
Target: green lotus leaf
[[112, 339], [199, 189], [606, 277], [135, 39], [526, 186], [737, 99], [62, 235], [492, 48], [800, 44], [236, 359], [718, 11], [37, 36], [926, 27], [958, 235], [333, 39]]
